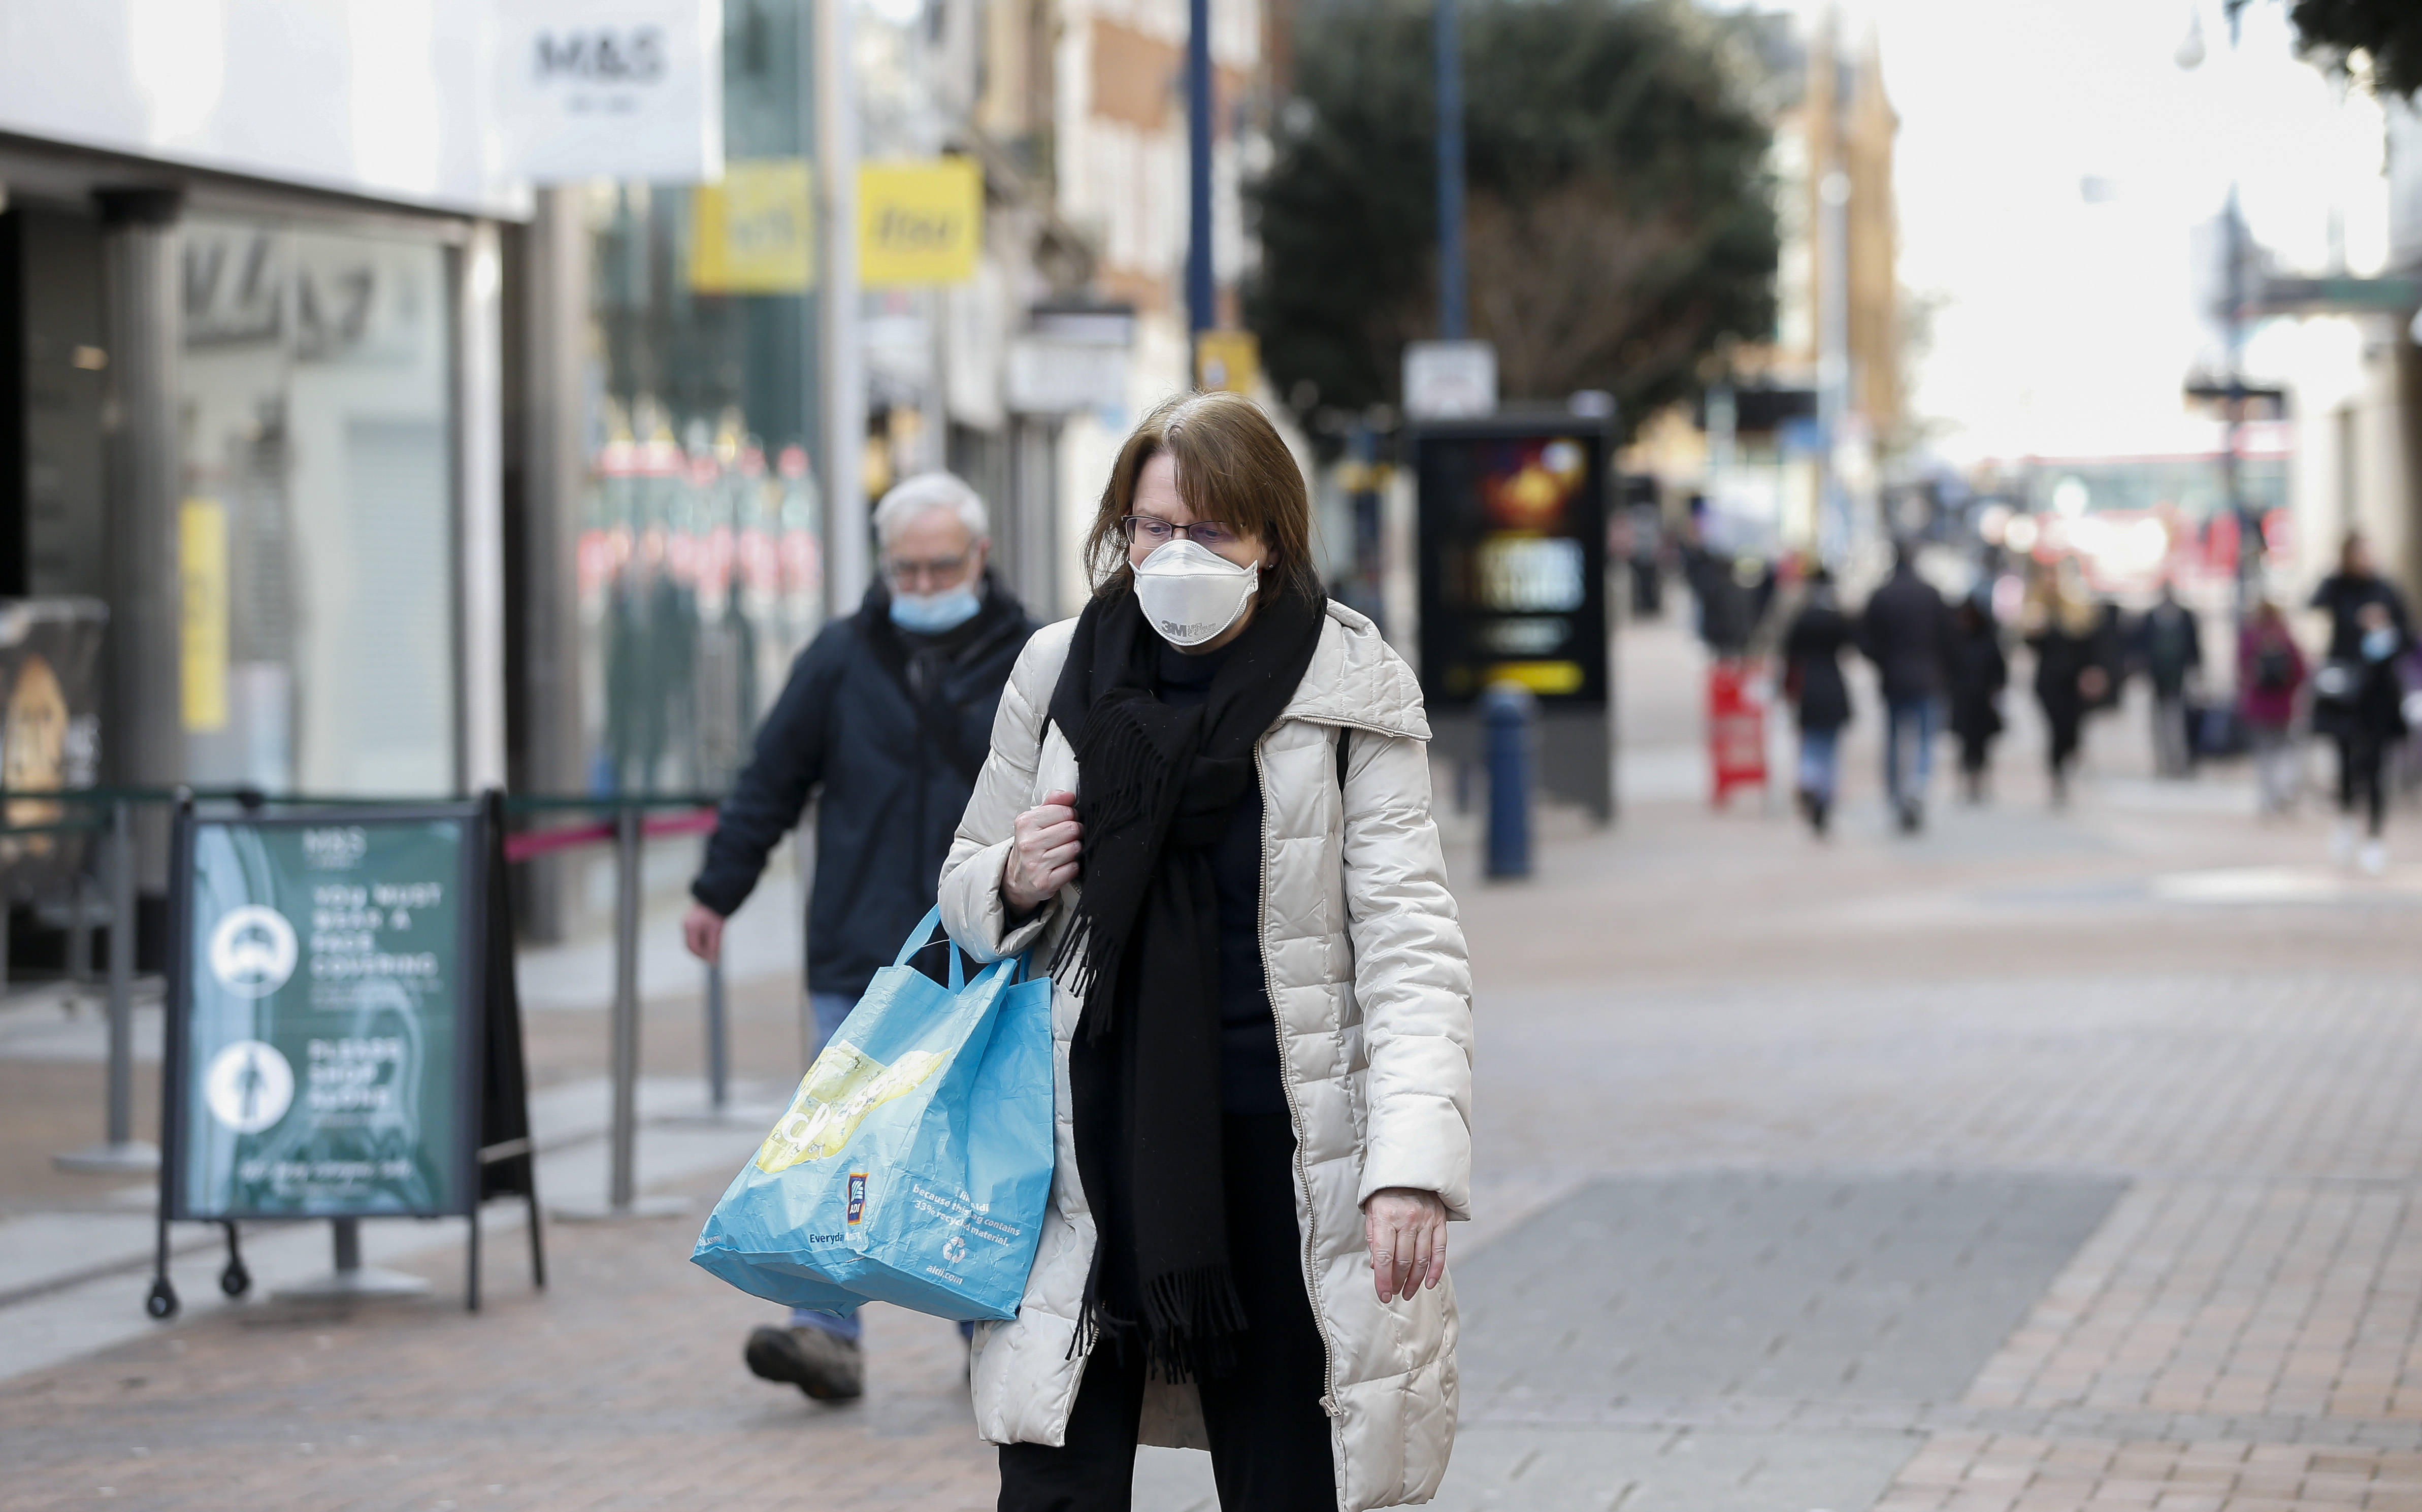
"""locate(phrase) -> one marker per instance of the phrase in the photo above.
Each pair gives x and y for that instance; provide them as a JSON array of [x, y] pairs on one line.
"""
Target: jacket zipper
[[1295, 1110]]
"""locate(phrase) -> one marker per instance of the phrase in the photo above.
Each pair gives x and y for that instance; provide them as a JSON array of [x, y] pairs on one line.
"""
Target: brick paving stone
[[1687, 1003], [618, 1388]]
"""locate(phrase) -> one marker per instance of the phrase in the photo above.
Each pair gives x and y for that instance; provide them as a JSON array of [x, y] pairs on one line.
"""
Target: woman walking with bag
[[1207, 806]]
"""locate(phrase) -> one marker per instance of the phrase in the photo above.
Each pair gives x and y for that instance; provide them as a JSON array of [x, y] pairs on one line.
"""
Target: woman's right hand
[[1045, 845]]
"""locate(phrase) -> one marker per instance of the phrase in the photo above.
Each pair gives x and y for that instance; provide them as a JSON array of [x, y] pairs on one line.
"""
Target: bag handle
[[921, 939]]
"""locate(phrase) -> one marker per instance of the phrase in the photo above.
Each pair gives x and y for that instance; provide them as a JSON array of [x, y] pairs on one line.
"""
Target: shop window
[[700, 575], [317, 533]]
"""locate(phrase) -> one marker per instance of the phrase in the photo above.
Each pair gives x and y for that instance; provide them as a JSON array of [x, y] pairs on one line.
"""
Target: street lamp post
[[2234, 295], [2249, 526], [1202, 312], [1448, 46]]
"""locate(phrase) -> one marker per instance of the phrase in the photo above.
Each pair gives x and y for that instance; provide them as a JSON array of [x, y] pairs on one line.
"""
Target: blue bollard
[[1507, 711]]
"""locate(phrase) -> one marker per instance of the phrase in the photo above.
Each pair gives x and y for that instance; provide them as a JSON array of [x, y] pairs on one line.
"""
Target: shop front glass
[[700, 575], [317, 531]]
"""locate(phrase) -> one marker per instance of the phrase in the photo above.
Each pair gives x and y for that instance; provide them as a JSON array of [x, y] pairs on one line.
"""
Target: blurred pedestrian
[[1906, 631], [1978, 671], [1246, 1246], [2169, 646], [2270, 671], [2358, 694], [1812, 679], [1725, 588], [886, 716], [2065, 629]]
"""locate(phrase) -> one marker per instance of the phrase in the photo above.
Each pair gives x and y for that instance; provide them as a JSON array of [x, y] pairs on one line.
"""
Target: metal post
[[2249, 527], [626, 1005], [623, 1132], [1832, 358], [1202, 312], [1448, 46], [80, 933], [349, 1280], [1508, 710], [718, 1067], [121, 975], [140, 271], [841, 366], [121, 1152]]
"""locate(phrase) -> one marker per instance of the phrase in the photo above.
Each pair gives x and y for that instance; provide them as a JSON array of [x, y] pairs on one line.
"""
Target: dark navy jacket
[[892, 727]]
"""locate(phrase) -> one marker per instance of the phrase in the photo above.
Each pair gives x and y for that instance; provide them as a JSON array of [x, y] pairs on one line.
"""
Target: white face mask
[[1190, 594]]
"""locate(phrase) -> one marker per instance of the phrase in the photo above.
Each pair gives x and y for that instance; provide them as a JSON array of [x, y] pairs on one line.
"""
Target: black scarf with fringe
[[1155, 785]]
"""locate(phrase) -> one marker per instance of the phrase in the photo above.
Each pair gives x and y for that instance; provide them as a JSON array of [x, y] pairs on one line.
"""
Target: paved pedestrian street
[[2046, 1160]]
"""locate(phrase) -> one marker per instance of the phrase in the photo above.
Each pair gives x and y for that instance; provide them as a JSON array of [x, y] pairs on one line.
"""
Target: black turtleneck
[[1249, 1047]]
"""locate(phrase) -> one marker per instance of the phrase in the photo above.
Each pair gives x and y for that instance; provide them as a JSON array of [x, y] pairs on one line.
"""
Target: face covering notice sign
[[324, 1016]]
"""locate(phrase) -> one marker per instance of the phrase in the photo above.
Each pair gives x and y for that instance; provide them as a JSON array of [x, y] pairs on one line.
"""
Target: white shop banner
[[611, 89]]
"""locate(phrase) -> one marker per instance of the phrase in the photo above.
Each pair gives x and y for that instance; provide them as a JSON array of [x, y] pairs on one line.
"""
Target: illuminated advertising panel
[[1513, 557]]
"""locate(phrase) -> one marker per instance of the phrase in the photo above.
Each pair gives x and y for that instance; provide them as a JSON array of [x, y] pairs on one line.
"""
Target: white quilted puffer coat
[[1372, 996]]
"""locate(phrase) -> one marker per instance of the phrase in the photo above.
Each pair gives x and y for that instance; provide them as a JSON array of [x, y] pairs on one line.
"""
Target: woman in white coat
[[1207, 807]]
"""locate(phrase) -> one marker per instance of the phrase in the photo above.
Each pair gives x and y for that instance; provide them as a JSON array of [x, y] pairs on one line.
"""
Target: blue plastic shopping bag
[[914, 1163]]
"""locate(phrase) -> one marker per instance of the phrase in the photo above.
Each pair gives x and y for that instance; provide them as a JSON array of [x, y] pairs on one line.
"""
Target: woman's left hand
[[1407, 1233]]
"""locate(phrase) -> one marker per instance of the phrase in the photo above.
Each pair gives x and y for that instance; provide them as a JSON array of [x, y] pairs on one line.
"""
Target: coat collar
[[1355, 679]]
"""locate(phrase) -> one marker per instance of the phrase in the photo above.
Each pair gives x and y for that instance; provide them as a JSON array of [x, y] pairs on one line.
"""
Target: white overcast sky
[[2065, 328]]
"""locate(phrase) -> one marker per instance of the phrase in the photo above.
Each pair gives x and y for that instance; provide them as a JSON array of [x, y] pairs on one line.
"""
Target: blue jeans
[[1908, 721], [830, 1008], [1820, 762]]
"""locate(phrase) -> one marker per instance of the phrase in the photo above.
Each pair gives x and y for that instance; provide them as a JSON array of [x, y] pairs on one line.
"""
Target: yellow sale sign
[[920, 223], [754, 232], [204, 612]]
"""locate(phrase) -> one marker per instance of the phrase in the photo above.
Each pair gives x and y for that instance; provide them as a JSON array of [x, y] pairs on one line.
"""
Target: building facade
[[251, 385], [403, 476], [1788, 453]]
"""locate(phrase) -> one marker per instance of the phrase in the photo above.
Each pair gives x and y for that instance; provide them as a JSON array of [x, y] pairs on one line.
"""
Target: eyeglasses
[[941, 569], [1153, 530]]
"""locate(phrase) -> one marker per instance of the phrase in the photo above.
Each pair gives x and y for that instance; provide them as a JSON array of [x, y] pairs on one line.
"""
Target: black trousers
[[2361, 758], [1269, 1438]]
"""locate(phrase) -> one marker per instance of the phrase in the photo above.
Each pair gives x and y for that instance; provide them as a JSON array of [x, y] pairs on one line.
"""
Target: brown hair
[[1231, 467]]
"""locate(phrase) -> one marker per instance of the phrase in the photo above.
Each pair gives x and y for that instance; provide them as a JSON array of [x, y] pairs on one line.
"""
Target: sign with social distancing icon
[[344, 1036], [326, 1013]]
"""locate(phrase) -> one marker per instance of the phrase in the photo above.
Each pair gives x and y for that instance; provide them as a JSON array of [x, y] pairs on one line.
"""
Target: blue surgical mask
[[930, 614], [2379, 643]]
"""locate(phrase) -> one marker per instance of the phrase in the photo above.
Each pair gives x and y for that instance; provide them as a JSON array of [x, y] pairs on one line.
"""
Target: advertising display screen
[[325, 1015], [1513, 559], [50, 734]]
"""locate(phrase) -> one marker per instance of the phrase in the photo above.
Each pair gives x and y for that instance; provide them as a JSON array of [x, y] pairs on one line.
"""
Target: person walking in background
[[2270, 671], [886, 716], [2064, 627], [1812, 679], [1978, 671], [2358, 695], [1727, 607], [1208, 806], [1906, 631], [2169, 646]]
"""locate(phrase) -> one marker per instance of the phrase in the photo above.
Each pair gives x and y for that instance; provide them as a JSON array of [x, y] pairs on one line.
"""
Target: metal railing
[[628, 828]]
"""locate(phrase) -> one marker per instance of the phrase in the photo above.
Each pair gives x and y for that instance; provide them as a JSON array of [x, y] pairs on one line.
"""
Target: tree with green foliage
[[2388, 32], [1620, 219]]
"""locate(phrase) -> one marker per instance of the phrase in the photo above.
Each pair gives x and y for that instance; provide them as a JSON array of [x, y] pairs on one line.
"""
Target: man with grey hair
[[887, 714]]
